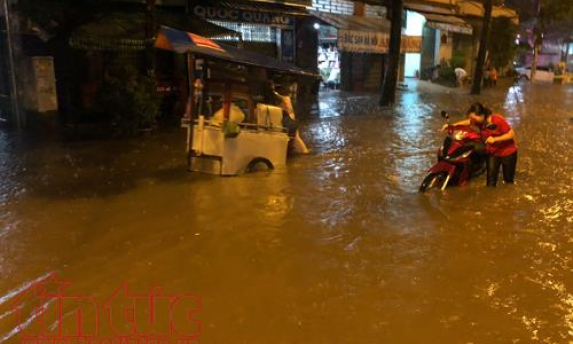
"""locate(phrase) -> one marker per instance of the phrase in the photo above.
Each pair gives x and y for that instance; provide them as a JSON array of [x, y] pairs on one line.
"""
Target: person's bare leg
[[299, 145]]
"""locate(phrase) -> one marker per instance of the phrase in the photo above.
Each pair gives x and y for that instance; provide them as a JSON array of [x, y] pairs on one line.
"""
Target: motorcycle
[[459, 158]]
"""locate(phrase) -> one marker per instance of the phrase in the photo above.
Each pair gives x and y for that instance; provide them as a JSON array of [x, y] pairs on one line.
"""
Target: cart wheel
[[259, 164]]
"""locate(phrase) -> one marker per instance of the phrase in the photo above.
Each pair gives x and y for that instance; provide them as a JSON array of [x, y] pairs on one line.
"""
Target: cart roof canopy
[[186, 42]]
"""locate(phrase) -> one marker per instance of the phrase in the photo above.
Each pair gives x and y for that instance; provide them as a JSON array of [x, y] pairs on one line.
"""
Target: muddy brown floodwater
[[339, 247]]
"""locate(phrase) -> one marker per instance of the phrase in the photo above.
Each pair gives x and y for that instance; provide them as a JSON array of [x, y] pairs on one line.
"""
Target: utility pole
[[390, 82], [478, 73], [16, 116]]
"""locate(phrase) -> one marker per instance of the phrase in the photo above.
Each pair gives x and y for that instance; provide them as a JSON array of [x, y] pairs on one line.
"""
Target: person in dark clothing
[[501, 147]]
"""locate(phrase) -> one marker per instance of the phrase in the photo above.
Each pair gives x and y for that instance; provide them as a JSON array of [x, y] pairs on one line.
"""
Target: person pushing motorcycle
[[499, 137]]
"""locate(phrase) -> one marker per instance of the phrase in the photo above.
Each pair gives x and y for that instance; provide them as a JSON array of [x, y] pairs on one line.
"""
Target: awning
[[424, 8], [357, 23], [290, 8], [125, 31], [475, 8], [360, 34], [185, 42], [448, 23], [441, 18]]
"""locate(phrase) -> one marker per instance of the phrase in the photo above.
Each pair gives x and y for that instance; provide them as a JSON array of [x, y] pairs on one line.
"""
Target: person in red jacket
[[501, 147]]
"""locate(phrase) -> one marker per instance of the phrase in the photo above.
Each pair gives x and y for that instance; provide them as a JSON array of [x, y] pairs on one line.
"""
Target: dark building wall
[[463, 45], [69, 67], [358, 66], [361, 71], [265, 48], [373, 72], [306, 52], [306, 42], [346, 75], [4, 75]]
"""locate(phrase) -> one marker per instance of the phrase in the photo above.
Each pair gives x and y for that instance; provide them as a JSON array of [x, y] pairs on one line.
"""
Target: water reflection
[[339, 246]]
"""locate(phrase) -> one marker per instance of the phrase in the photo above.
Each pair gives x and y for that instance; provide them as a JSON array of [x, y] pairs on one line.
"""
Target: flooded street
[[337, 248]]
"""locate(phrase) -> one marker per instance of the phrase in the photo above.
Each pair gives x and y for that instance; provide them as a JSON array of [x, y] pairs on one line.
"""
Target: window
[[249, 32]]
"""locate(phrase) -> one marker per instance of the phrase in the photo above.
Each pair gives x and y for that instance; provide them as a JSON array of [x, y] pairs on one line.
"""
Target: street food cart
[[231, 129]]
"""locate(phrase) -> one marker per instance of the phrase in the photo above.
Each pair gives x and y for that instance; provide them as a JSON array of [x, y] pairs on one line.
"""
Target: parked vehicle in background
[[542, 74]]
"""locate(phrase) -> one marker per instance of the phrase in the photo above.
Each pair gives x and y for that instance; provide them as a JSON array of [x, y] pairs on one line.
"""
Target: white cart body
[[266, 142]]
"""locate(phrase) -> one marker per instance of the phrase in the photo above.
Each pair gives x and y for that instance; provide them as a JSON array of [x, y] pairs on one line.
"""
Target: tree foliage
[[61, 17], [56, 16], [548, 12], [128, 97], [501, 45], [552, 11]]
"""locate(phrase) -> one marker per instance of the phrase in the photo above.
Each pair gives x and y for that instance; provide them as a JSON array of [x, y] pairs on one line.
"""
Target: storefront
[[412, 61], [446, 39], [328, 56], [361, 45], [265, 27], [449, 36], [277, 28]]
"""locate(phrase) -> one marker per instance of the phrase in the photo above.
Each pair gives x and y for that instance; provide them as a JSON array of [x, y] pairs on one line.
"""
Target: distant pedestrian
[[461, 76], [493, 76], [487, 78], [435, 73]]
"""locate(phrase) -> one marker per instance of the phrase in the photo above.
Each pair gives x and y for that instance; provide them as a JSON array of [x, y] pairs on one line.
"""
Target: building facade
[[353, 44]]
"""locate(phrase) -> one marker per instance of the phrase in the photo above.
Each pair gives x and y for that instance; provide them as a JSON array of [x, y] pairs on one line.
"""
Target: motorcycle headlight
[[458, 135]]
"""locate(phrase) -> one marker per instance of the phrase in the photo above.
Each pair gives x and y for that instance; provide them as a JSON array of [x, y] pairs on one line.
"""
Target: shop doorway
[[412, 65], [414, 27], [328, 57]]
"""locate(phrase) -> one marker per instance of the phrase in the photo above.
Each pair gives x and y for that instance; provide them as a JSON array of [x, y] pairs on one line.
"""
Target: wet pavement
[[337, 248]]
